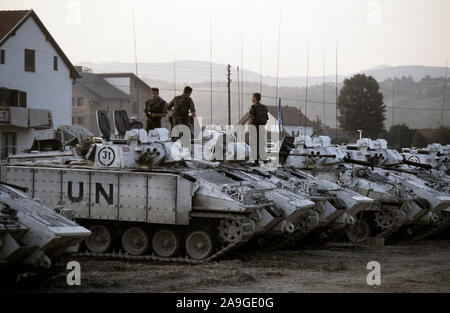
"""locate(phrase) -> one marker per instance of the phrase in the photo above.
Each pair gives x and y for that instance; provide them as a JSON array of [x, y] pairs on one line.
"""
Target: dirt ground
[[419, 267]]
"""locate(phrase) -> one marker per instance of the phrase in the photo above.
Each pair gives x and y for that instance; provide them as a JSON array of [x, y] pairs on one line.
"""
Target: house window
[[80, 102], [73, 102], [22, 99], [29, 60], [79, 120], [2, 56], [13, 98], [55, 63], [7, 145]]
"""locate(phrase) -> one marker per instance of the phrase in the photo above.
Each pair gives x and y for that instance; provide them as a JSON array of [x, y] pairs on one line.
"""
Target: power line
[[296, 100], [278, 56], [211, 68], [306, 90], [443, 95], [336, 91]]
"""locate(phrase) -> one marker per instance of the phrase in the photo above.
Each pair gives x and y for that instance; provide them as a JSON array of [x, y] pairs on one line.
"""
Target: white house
[[294, 121], [35, 80]]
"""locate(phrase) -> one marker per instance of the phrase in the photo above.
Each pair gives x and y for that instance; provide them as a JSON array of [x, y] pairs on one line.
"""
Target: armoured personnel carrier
[[319, 158], [330, 214], [424, 180], [142, 193], [31, 234], [431, 164]]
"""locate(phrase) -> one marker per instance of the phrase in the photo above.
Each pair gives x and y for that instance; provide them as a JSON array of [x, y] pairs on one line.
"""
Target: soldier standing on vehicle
[[258, 116], [155, 109], [181, 106]]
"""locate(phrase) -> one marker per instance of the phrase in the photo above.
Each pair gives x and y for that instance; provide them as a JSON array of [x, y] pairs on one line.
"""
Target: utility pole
[[135, 60], [336, 134], [393, 105], [260, 65], [174, 78], [239, 94], [443, 95], [306, 91], [323, 89], [211, 70], [229, 92]]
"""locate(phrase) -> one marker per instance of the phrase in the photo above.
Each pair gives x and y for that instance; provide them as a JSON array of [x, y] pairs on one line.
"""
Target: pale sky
[[368, 32]]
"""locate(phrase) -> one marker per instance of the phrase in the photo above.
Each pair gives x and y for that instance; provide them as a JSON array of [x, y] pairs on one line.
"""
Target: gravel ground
[[419, 267]]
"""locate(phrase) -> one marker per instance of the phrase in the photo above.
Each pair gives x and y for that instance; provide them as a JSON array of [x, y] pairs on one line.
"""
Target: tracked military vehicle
[[31, 234], [53, 145], [324, 218], [431, 164], [141, 193], [431, 213], [331, 214], [334, 205], [393, 198]]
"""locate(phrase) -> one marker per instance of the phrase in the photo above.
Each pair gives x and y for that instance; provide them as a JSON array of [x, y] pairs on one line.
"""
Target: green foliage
[[361, 106], [417, 103], [399, 136], [419, 140], [442, 135], [317, 125], [342, 140]]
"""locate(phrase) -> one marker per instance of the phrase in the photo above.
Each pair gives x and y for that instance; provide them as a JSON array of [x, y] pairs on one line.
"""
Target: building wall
[[81, 110], [298, 130], [85, 115], [273, 122], [45, 88], [131, 87], [122, 83], [144, 95]]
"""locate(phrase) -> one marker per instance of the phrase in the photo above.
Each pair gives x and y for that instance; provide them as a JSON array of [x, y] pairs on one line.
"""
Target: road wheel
[[135, 241], [100, 240], [359, 232], [166, 243], [199, 245]]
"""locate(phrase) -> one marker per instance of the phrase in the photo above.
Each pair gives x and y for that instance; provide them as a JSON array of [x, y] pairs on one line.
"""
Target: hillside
[[417, 98]]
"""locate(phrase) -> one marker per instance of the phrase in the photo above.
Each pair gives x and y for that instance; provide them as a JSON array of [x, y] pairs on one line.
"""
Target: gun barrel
[[317, 155], [417, 164], [364, 163]]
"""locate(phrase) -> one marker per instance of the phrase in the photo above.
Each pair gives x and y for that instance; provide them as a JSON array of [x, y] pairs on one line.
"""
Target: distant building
[[294, 121], [106, 92], [35, 80], [427, 133], [134, 87], [91, 93]]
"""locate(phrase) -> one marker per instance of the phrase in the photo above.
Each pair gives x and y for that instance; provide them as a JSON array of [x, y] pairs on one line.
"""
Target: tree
[[400, 136], [442, 135], [361, 106], [317, 125], [419, 140]]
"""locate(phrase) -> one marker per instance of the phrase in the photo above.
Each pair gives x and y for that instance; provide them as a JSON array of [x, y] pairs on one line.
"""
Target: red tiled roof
[[291, 115], [426, 132], [10, 21]]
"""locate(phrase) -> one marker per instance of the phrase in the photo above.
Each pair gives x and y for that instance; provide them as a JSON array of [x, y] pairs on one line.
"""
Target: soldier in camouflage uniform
[[258, 116], [155, 109], [181, 106]]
